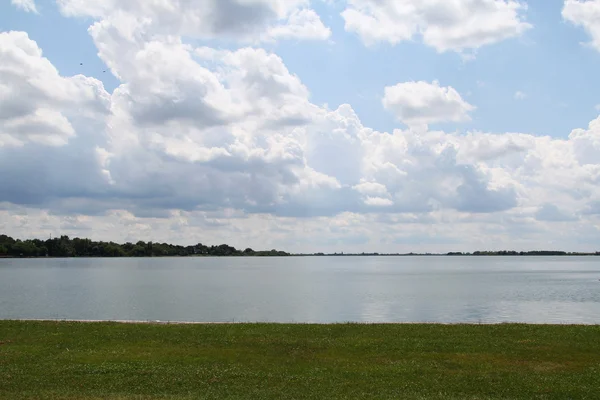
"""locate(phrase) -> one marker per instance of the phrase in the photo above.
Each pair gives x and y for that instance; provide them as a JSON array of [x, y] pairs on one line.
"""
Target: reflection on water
[[327, 289]]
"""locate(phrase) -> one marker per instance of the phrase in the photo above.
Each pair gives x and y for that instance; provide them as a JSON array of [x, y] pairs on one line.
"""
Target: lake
[[305, 289]]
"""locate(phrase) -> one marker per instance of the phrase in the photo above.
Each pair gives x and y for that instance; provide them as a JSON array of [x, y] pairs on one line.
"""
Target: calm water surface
[[328, 289]]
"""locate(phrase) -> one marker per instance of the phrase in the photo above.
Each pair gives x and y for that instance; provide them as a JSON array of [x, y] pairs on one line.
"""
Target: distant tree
[[64, 246], [6, 239], [139, 250]]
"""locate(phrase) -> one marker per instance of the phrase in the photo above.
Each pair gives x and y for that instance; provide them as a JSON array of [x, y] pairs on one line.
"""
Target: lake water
[[311, 289]]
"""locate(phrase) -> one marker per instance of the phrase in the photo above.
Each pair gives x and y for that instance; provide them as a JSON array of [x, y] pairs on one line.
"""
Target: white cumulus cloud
[[36, 103], [422, 103], [585, 13], [301, 24], [442, 24], [230, 19]]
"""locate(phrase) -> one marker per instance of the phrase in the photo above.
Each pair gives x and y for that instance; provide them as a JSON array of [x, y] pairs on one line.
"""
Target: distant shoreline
[[315, 255], [65, 247]]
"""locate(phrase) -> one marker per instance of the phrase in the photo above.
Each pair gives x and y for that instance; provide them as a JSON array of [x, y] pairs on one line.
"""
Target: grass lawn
[[64, 360]]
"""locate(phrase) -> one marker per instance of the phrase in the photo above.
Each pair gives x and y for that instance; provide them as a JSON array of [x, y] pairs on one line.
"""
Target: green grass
[[64, 360]]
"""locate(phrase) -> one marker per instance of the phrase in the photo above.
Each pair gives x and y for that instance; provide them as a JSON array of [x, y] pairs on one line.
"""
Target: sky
[[303, 125]]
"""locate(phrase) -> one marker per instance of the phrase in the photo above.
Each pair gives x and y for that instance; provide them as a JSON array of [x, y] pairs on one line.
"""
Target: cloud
[[211, 19], [378, 202], [443, 25], [371, 188], [586, 144], [551, 213], [36, 103], [25, 5], [422, 103], [202, 129], [520, 95], [592, 208], [302, 24], [585, 14]]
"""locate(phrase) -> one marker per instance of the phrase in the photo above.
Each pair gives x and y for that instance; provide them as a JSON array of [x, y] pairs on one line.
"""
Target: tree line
[[523, 253], [64, 246]]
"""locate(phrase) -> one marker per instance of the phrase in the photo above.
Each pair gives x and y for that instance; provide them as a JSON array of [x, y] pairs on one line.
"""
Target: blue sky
[[219, 125]]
